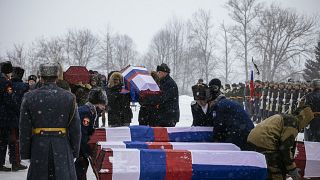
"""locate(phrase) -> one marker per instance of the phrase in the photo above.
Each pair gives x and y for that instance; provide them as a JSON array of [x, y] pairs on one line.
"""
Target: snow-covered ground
[[185, 120]]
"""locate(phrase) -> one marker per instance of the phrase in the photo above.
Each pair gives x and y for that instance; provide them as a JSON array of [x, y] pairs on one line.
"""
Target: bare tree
[[160, 47], [283, 37], [243, 13], [124, 51], [201, 36], [107, 49], [81, 46], [17, 55], [52, 50]]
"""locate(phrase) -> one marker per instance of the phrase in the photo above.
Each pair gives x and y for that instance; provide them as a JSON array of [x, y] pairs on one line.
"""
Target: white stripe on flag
[[312, 159], [145, 82], [236, 158], [126, 164], [131, 68], [204, 146], [112, 144], [188, 129], [118, 134]]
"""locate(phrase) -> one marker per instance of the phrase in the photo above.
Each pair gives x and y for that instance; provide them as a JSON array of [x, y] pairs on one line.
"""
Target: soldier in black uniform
[[257, 101], [49, 129], [312, 99], [89, 114], [282, 94]]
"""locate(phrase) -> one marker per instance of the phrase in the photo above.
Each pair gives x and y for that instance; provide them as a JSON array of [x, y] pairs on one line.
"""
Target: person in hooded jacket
[[231, 123], [89, 114], [312, 132], [275, 137], [119, 111]]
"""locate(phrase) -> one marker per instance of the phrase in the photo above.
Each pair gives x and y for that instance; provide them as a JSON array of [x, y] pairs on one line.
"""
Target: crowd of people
[[51, 120]]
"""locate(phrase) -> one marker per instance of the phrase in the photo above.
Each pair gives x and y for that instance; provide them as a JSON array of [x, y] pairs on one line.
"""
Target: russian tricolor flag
[[160, 134], [134, 164], [307, 158], [169, 145]]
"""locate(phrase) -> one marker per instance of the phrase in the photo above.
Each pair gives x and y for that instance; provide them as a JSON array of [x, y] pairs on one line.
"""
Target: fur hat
[[115, 75], [97, 96], [200, 92], [215, 82], [49, 70], [17, 73], [6, 67], [164, 68], [32, 77]]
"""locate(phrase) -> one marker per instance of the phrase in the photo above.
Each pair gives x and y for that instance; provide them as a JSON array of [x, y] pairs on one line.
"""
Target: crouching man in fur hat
[[275, 136]]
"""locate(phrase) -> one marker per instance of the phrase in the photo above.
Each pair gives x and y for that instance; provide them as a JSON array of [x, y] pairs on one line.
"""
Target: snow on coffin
[[120, 164], [160, 134], [307, 158], [137, 80]]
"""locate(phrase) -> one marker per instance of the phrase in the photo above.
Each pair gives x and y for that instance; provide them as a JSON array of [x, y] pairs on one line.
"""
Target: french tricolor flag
[[134, 164], [160, 134]]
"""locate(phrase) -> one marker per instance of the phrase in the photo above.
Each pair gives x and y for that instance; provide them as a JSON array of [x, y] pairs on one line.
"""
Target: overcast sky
[[23, 21]]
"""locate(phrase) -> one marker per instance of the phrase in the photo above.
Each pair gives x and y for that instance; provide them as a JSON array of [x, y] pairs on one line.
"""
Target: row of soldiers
[[268, 98]]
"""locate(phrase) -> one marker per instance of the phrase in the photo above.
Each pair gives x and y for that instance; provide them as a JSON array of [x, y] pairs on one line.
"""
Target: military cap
[[49, 70], [164, 68]]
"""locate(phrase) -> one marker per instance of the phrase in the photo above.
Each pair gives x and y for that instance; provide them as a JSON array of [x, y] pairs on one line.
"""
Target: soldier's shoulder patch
[[86, 121]]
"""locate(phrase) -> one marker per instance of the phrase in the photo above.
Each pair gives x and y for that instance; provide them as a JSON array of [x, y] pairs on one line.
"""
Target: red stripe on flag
[[160, 134], [300, 158], [179, 165], [106, 168], [159, 145]]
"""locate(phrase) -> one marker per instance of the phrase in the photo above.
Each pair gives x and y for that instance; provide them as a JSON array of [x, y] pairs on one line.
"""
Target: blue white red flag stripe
[[146, 133], [181, 164]]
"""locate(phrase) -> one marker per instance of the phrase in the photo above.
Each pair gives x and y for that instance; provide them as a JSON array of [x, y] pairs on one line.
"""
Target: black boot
[[17, 167], [3, 168]]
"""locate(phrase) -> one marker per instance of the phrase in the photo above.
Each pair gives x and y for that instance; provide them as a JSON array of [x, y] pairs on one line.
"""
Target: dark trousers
[[81, 165], [9, 137]]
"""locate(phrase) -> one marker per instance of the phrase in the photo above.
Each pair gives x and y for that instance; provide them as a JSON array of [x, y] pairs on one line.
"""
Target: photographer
[[200, 107]]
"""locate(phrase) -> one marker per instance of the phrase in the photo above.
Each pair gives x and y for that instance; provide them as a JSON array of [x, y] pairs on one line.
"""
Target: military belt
[[48, 131]]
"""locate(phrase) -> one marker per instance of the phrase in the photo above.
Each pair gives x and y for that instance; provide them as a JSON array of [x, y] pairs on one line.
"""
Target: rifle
[[261, 100], [290, 102], [278, 102], [283, 109], [271, 102], [299, 100], [267, 101]]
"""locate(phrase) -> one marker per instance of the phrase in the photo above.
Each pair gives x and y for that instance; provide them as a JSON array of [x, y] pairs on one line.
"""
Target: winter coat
[[88, 117], [199, 117], [312, 132], [169, 107], [50, 107], [277, 134], [6, 101], [231, 123], [149, 109], [119, 111], [13, 114]]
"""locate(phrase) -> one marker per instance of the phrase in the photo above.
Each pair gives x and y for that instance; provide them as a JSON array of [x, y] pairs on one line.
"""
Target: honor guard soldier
[[89, 114], [312, 99], [49, 129]]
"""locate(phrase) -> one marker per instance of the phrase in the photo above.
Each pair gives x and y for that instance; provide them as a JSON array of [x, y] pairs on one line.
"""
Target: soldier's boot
[[3, 168], [17, 167]]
